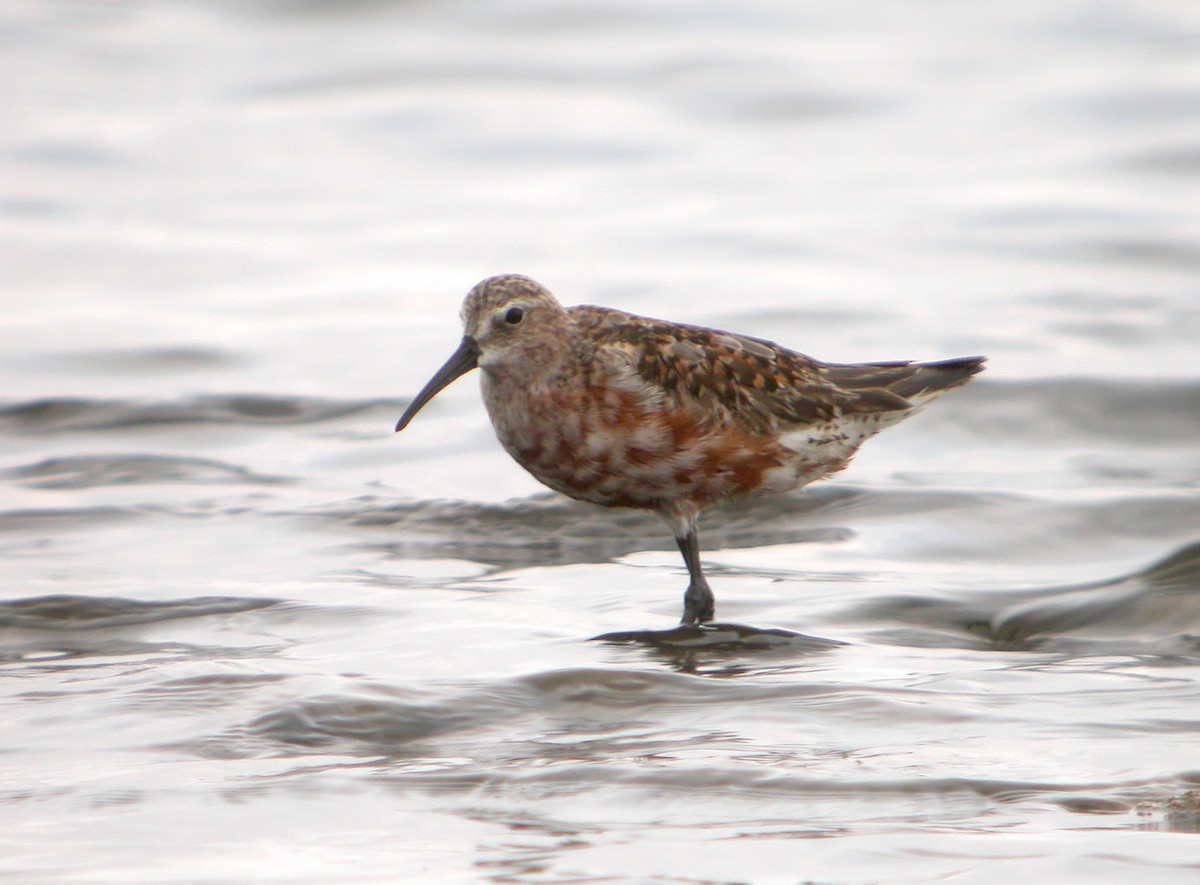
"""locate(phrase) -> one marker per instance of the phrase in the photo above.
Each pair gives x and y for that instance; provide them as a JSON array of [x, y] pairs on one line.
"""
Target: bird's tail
[[915, 382]]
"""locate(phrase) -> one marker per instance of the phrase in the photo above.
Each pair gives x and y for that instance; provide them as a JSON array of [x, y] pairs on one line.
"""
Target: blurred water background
[[248, 634]]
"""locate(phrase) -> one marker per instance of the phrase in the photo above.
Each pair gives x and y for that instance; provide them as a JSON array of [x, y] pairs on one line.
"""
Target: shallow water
[[246, 632]]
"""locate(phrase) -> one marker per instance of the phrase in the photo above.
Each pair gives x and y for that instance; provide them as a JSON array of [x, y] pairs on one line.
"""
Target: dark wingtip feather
[[906, 379], [971, 364], [940, 375]]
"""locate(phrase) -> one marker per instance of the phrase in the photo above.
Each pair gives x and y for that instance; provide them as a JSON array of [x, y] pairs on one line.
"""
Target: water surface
[[246, 632]]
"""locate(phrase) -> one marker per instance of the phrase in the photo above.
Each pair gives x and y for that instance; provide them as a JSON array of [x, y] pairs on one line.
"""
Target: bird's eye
[[514, 316]]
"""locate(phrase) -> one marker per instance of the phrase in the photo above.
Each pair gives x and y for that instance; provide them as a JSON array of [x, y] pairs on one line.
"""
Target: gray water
[[247, 633]]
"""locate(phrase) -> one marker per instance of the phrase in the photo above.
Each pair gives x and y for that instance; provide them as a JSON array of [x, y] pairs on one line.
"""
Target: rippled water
[[247, 633]]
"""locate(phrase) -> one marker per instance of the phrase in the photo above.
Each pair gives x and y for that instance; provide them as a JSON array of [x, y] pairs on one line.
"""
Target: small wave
[[1162, 600], [94, 471], [737, 781], [208, 689], [83, 613], [375, 720], [381, 721], [67, 415], [731, 783], [1155, 609], [378, 724], [46, 519], [142, 360]]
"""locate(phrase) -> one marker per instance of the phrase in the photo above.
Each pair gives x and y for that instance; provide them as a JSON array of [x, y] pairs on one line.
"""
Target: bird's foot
[[699, 605]]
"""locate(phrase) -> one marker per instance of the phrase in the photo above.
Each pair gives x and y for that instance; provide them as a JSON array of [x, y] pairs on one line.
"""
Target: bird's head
[[510, 324]]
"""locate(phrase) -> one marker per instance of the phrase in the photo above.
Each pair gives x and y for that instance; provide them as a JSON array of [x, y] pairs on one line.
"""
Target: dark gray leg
[[698, 603]]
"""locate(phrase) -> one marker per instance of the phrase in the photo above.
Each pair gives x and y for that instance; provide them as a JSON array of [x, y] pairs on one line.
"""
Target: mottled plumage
[[626, 411]]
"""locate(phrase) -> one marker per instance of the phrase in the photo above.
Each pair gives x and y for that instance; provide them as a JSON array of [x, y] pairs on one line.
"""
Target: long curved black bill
[[464, 360]]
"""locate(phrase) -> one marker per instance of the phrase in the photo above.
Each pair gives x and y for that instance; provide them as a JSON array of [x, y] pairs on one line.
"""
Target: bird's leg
[[698, 603]]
